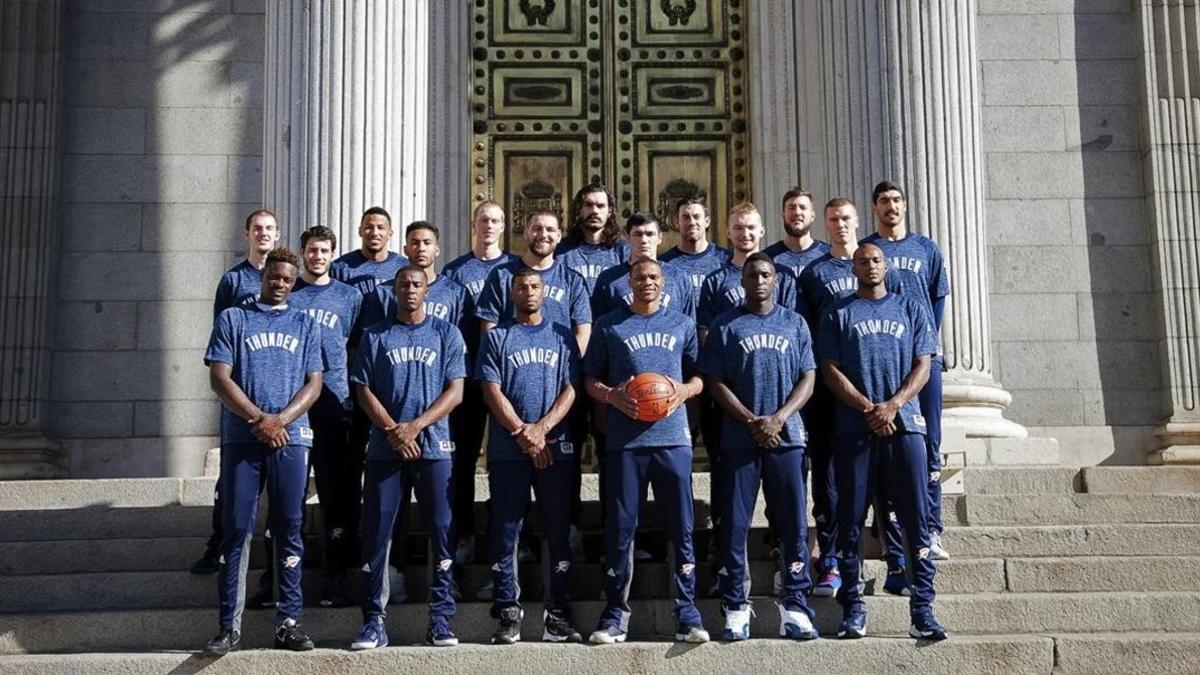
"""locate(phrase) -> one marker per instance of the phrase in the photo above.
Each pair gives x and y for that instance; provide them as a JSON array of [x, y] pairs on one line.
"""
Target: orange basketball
[[652, 393]]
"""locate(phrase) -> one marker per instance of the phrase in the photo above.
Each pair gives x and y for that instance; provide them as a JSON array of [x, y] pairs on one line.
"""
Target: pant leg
[[853, 466], [887, 529], [903, 477], [434, 486], [213, 545], [287, 483], [670, 472], [930, 399], [711, 418], [400, 531], [818, 422], [578, 426], [338, 477], [467, 423], [242, 467], [625, 491], [509, 482], [553, 488], [739, 491], [383, 485], [783, 486]]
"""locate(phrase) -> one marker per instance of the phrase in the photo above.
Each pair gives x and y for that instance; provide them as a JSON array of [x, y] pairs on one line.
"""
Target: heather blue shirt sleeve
[[580, 308], [221, 340], [493, 298]]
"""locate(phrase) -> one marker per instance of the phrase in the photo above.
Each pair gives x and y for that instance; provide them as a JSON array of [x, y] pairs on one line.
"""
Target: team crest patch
[[446, 446], [935, 476], [562, 566], [686, 569], [496, 567], [919, 420], [566, 448], [444, 565], [723, 572], [923, 553], [367, 568], [292, 562], [797, 567], [306, 433], [611, 572]]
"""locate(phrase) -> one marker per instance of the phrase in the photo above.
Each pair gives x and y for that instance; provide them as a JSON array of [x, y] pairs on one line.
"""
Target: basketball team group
[[384, 376]]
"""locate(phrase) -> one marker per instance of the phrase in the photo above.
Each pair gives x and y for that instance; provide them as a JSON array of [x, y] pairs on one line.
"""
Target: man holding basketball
[[640, 340]]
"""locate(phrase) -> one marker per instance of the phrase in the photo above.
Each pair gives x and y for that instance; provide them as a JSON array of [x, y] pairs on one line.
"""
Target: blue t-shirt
[[760, 359], [472, 274], [335, 306], [624, 344], [240, 285], [917, 261], [357, 270], [407, 366], [589, 260], [697, 265], [827, 280], [796, 261], [445, 298], [722, 291], [874, 342], [613, 291], [271, 352], [531, 364], [566, 302]]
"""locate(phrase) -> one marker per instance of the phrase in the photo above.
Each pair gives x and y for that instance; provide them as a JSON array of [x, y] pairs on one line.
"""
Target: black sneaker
[[334, 593], [263, 598], [509, 632], [289, 635], [205, 564], [558, 628], [227, 641]]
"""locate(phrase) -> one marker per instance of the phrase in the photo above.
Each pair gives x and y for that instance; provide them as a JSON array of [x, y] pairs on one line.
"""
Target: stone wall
[[162, 162], [1075, 322]]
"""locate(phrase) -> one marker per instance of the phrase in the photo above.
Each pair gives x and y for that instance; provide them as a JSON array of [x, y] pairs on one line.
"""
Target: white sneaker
[[795, 625], [399, 593], [691, 634], [575, 543], [737, 624], [936, 550]]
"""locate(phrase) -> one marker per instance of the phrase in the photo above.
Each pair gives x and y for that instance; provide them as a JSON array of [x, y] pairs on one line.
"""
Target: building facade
[[1050, 147]]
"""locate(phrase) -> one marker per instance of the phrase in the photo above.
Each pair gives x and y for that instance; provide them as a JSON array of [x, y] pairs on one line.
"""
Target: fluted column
[[346, 112], [31, 127], [1172, 64]]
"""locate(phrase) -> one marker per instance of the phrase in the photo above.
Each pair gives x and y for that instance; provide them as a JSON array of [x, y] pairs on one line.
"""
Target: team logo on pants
[[562, 566], [797, 567], [292, 562], [444, 565], [686, 569]]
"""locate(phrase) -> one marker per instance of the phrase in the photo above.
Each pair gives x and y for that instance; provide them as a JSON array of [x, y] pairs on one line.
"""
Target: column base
[[30, 457], [977, 407], [1180, 444]]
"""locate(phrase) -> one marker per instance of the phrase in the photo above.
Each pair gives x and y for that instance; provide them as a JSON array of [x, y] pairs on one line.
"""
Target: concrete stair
[[1054, 570]]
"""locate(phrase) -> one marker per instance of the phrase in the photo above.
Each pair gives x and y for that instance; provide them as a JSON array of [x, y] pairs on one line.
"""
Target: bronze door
[[645, 96]]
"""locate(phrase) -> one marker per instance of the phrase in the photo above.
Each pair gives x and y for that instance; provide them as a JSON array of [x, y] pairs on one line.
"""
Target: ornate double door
[[645, 96]]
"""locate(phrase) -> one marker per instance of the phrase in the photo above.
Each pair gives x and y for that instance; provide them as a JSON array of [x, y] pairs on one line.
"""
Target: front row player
[[875, 350], [527, 369], [760, 368], [265, 365], [646, 338], [409, 375]]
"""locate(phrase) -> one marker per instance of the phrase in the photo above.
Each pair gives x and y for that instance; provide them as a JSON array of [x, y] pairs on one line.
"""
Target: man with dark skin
[[875, 349], [265, 365]]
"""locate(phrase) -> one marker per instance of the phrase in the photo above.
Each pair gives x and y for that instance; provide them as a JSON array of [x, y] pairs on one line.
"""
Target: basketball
[[652, 393]]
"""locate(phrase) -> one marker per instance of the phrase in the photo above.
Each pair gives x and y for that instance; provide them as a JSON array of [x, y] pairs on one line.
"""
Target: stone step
[[1155, 652], [1081, 509], [969, 614], [1029, 541], [1011, 480], [961, 655], [1141, 479], [156, 590], [1144, 573]]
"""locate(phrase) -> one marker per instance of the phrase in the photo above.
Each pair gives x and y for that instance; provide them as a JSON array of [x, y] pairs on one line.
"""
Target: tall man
[[646, 338], [265, 365], [592, 242], [875, 349], [759, 366], [917, 260], [409, 374], [798, 248], [468, 420], [372, 264], [528, 368], [336, 465]]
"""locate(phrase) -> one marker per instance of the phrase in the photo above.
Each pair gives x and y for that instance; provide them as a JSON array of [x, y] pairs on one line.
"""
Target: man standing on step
[[337, 466], [646, 337], [409, 375], [917, 260], [528, 368], [241, 285], [875, 348], [265, 365], [468, 421], [759, 366], [798, 248]]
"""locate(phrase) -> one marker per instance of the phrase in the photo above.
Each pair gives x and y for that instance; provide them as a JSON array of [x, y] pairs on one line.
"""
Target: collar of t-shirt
[[271, 308]]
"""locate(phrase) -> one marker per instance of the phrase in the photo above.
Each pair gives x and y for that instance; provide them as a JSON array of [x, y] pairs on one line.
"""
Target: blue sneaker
[[439, 633], [925, 627], [372, 635], [828, 585], [737, 624], [854, 626], [896, 583]]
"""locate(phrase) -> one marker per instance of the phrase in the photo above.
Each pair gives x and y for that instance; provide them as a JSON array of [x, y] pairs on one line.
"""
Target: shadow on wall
[[1123, 311]]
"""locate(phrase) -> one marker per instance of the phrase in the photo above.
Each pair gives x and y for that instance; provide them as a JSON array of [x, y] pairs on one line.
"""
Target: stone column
[[894, 85], [346, 113], [1172, 64], [31, 131]]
